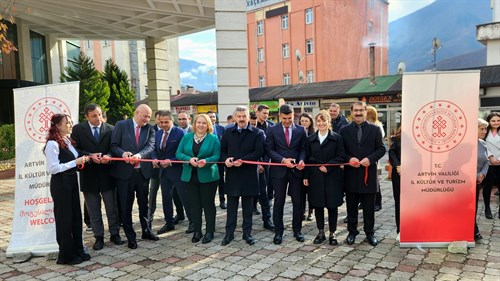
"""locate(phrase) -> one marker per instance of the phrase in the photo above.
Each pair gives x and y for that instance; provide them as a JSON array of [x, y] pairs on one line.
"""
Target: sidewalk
[[174, 257]]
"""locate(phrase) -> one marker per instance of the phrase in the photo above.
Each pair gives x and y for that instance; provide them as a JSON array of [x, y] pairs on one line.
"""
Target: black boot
[[487, 212]]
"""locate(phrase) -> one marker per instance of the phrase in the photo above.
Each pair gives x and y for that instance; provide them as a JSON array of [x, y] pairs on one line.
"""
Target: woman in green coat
[[201, 147]]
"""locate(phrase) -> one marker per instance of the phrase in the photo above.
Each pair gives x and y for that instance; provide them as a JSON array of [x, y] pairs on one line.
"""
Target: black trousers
[[333, 213], [68, 215], [201, 199], [179, 208], [368, 202], [263, 199], [294, 186], [492, 178], [396, 193], [232, 213], [126, 190], [222, 182]]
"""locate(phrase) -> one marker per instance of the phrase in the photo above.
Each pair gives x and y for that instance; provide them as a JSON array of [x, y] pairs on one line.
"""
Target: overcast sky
[[200, 46]]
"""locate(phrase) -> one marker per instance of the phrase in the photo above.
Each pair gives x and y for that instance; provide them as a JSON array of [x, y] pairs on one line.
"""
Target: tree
[[93, 89], [6, 46], [122, 97]]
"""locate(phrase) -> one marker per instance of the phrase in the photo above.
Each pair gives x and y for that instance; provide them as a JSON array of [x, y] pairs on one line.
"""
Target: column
[[23, 39], [53, 59], [158, 84], [232, 55]]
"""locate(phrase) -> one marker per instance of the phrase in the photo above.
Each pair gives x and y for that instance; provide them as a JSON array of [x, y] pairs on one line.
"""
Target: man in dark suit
[[241, 142], [363, 147], [153, 184], [133, 139], [166, 143], [338, 120], [264, 124], [286, 144], [184, 121], [93, 138], [219, 131]]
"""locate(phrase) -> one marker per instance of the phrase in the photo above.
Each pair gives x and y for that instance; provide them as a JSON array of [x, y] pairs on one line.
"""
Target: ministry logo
[[37, 118], [439, 126]]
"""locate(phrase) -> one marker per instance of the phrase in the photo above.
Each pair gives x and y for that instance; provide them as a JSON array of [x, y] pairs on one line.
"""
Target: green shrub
[[7, 142]]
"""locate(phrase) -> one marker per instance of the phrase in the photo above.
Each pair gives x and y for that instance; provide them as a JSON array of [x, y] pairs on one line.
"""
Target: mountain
[[198, 75], [453, 22]]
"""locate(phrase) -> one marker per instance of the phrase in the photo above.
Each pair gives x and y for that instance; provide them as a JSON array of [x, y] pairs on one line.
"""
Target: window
[[309, 46], [370, 26], [260, 27], [370, 4], [310, 76], [284, 22], [309, 16], [38, 58], [107, 43], [260, 54], [285, 49], [88, 44], [262, 81], [72, 52], [286, 79]]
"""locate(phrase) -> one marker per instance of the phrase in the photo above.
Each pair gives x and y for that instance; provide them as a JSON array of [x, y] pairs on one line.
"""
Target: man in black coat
[[133, 139], [219, 131], [286, 144], [363, 147], [241, 142], [93, 138]]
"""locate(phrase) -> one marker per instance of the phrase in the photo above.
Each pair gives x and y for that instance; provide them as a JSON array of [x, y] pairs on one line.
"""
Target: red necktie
[[287, 136], [137, 134], [164, 141]]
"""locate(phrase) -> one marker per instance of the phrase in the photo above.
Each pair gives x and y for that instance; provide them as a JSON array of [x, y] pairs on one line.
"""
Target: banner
[[438, 158], [33, 227]]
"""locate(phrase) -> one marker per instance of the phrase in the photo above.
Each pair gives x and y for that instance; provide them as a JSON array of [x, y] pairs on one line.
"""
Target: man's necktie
[[164, 140], [360, 133], [137, 134], [96, 133], [287, 136]]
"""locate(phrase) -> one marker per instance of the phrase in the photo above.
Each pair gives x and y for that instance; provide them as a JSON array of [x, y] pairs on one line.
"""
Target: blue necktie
[[96, 133]]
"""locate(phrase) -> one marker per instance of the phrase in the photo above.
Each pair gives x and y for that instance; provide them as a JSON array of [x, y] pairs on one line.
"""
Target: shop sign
[[273, 105], [382, 99], [206, 108], [304, 103], [189, 109]]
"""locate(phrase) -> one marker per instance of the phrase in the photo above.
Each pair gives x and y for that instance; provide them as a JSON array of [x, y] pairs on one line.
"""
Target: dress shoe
[[166, 228], [360, 206], [99, 243], [320, 238], [227, 239], [256, 211], [132, 244], [332, 241], [372, 240], [75, 260], [178, 218], [478, 237], [116, 239], [345, 220], [487, 213], [88, 228], [350, 239], [85, 256], [223, 205], [309, 217], [278, 239], [209, 236], [268, 224], [378, 208], [196, 237], [190, 228], [149, 236], [299, 236], [249, 239]]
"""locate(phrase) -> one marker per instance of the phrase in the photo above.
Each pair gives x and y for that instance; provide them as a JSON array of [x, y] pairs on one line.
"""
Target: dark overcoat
[[326, 190], [94, 177], [372, 147], [245, 145]]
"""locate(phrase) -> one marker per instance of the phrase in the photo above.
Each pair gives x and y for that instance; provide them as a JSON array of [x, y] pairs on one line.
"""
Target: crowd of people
[[321, 163]]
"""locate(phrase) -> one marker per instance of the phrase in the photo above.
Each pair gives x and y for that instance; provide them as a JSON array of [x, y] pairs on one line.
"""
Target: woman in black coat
[[325, 183], [395, 160]]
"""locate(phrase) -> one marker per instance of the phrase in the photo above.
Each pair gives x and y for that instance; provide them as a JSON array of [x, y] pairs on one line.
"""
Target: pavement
[[174, 257]]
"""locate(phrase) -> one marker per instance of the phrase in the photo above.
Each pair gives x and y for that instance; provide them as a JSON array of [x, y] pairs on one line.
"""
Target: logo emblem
[[37, 118], [439, 126]]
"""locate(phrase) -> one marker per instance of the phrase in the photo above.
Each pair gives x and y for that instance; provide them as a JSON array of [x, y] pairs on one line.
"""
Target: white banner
[[33, 228], [438, 158]]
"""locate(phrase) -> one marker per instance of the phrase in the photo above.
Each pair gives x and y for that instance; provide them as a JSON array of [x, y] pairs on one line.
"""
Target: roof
[[195, 99], [383, 83]]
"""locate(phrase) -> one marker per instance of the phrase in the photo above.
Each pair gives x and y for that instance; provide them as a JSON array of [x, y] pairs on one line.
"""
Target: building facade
[[293, 41]]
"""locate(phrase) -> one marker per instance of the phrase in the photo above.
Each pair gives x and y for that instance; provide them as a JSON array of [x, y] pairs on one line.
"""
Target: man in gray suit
[[133, 139]]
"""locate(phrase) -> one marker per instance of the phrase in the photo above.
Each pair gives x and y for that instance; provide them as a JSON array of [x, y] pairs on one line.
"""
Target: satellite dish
[[298, 55], [436, 43], [301, 75], [401, 67]]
